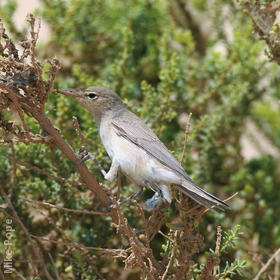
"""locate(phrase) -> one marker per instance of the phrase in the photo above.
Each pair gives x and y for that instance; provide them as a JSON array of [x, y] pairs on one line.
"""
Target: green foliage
[[139, 49], [230, 238], [258, 183]]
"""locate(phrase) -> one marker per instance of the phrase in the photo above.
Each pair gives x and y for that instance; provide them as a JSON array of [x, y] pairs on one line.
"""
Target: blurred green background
[[165, 59]]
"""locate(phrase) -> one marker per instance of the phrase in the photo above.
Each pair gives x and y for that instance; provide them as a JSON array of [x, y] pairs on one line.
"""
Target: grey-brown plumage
[[136, 150]]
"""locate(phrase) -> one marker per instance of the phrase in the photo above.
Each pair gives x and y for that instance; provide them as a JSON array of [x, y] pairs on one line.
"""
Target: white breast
[[134, 161]]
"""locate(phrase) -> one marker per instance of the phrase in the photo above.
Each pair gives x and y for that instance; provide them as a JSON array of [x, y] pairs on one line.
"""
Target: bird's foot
[[83, 154], [155, 202], [120, 202], [88, 155]]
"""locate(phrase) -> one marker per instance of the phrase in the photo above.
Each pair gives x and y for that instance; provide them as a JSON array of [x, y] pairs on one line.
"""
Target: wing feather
[[136, 131]]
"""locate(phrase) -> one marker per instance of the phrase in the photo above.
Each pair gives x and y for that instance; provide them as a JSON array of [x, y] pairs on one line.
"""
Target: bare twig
[[218, 245], [89, 180], [206, 210], [169, 264], [76, 123], [34, 38], [225, 200], [186, 137], [84, 148], [277, 268], [45, 172], [166, 236], [54, 265], [14, 170], [18, 274], [49, 205], [268, 263], [18, 108], [83, 247]]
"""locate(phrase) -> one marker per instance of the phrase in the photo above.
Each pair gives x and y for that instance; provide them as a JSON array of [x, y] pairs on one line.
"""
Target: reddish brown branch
[[87, 177]]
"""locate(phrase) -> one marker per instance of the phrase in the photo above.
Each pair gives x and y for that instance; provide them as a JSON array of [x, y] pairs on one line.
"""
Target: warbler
[[135, 149]]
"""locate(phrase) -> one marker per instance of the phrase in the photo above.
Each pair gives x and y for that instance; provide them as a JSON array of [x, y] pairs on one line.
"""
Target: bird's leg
[[113, 172], [153, 202], [134, 195], [165, 193], [89, 155], [161, 194]]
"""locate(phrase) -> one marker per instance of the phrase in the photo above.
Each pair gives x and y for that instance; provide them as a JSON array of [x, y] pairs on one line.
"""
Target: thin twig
[[45, 172], [54, 265], [49, 205], [91, 156], [268, 263], [225, 200], [186, 137], [14, 98], [166, 236], [214, 206], [83, 247], [14, 171], [187, 130], [5, 146], [276, 268], [88, 154], [18, 274], [168, 265], [218, 245], [76, 123]]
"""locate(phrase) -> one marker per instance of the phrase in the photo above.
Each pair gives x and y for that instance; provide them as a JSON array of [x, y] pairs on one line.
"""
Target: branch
[[45, 172], [268, 263], [186, 137], [218, 246], [88, 178], [119, 253], [28, 94], [49, 205], [266, 19]]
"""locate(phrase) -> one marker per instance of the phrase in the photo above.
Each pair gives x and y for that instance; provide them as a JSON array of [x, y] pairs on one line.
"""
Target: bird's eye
[[92, 95]]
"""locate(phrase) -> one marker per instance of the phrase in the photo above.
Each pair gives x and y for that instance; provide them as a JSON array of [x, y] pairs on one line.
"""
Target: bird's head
[[97, 100]]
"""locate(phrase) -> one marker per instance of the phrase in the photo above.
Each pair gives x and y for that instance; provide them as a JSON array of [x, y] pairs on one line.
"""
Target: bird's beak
[[69, 92]]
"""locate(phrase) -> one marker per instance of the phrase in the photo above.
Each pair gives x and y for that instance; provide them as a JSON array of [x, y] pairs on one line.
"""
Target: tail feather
[[202, 197]]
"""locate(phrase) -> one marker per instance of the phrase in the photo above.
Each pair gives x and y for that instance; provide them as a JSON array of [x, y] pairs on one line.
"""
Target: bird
[[136, 150]]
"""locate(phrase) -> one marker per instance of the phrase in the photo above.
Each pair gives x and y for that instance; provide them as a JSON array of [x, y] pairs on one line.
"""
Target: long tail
[[190, 189]]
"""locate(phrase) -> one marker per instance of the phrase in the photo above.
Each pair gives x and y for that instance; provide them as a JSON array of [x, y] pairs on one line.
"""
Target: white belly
[[134, 162]]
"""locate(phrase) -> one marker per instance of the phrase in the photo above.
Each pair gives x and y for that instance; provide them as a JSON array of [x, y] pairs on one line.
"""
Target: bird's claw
[[111, 206], [88, 155], [154, 202], [84, 159]]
